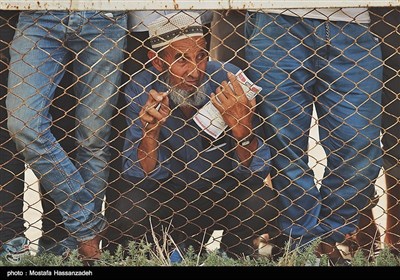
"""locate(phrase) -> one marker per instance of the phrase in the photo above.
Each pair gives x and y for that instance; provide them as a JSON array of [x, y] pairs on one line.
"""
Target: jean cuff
[[93, 231]]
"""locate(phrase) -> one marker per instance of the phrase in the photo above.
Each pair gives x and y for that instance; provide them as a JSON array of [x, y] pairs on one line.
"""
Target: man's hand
[[234, 106], [153, 115], [156, 110], [237, 112]]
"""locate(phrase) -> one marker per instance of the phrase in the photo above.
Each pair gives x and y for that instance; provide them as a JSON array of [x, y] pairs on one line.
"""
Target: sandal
[[271, 244]]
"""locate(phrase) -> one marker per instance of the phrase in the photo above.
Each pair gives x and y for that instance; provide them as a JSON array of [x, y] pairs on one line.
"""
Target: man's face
[[186, 61]]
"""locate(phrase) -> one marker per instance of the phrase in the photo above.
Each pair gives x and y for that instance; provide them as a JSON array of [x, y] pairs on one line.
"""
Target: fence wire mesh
[[75, 112]]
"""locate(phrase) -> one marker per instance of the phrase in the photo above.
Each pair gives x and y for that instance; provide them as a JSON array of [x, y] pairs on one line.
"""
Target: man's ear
[[155, 60]]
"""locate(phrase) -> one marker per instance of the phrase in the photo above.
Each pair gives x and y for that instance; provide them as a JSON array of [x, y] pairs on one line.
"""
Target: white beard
[[183, 97]]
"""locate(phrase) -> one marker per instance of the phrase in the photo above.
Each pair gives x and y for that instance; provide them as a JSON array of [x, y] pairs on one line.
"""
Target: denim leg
[[37, 59], [98, 68], [290, 58], [54, 234], [349, 110], [12, 167], [286, 106]]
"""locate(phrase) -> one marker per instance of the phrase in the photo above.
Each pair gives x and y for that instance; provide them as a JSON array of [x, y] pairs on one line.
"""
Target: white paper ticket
[[209, 118]]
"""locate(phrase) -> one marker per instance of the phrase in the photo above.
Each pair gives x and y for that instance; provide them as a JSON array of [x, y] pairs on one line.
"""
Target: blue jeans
[[11, 165], [335, 67], [44, 43]]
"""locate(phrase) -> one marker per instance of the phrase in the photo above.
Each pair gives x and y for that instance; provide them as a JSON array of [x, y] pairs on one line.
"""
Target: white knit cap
[[173, 27]]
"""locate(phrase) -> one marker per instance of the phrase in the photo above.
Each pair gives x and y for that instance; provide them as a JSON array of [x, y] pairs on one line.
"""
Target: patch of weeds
[[386, 258]]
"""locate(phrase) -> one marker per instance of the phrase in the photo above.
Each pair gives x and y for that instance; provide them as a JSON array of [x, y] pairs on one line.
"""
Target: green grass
[[143, 254]]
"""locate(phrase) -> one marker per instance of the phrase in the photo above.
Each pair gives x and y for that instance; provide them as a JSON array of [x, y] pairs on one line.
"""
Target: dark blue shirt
[[187, 155]]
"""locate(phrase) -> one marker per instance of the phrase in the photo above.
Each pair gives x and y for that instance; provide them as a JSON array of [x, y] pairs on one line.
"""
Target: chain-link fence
[[301, 160]]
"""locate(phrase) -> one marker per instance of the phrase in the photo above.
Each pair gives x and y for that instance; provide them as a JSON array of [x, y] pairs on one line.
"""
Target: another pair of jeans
[[55, 238], [12, 166], [44, 43], [335, 67]]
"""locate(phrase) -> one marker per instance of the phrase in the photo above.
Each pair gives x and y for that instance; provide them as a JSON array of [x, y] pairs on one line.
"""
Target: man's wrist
[[246, 140]]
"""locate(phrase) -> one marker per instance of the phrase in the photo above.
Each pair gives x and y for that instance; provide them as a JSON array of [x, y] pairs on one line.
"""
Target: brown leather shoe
[[90, 249]]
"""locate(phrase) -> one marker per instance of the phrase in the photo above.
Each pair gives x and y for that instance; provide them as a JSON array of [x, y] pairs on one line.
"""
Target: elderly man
[[188, 181]]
